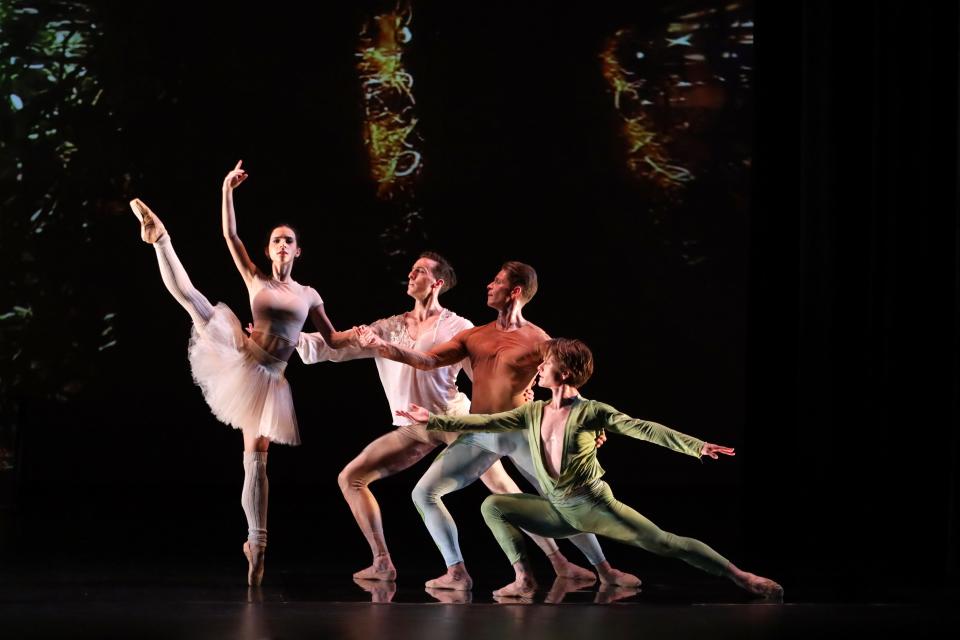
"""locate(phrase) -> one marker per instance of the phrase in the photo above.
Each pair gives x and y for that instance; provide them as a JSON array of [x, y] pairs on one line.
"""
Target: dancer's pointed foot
[[456, 578], [615, 577], [763, 587], [523, 587], [757, 585], [381, 591], [381, 569], [566, 569], [448, 596], [151, 229], [255, 562]]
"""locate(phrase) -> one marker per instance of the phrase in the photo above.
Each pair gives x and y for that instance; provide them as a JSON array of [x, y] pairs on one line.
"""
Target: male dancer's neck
[[426, 307], [511, 317], [563, 396]]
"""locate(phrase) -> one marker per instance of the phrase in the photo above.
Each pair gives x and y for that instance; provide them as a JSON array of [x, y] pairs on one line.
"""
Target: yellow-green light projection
[[388, 103]]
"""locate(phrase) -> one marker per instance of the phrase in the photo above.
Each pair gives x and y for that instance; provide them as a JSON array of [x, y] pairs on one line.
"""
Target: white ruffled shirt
[[436, 389]]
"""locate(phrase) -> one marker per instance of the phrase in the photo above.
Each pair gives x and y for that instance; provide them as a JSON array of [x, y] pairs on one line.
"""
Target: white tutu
[[243, 384]]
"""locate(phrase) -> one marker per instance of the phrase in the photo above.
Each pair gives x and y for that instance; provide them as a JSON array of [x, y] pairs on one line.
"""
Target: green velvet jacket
[[578, 466]]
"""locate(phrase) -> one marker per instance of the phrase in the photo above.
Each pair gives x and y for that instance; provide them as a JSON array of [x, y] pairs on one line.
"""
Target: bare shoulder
[[539, 333], [463, 334], [483, 328]]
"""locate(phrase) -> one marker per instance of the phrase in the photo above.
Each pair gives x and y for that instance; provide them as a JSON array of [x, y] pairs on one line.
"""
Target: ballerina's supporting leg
[[256, 489]]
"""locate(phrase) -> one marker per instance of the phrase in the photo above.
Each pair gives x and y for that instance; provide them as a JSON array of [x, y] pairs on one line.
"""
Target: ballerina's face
[[283, 246]]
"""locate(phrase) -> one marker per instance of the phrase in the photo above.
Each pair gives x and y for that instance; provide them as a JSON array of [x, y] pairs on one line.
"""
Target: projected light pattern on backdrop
[[389, 131], [674, 88], [388, 103], [661, 84], [646, 153]]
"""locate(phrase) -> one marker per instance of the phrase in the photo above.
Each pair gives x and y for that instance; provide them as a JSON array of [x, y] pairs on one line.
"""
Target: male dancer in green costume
[[561, 434]]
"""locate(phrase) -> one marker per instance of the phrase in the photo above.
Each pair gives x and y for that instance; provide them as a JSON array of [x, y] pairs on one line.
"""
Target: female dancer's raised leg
[[174, 275], [253, 498]]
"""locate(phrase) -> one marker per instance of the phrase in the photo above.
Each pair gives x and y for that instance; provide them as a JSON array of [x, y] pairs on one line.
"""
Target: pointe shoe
[[151, 229], [255, 562]]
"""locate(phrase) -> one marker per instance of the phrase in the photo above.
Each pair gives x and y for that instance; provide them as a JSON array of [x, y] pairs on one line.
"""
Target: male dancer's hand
[[712, 450], [368, 339], [415, 413], [355, 338]]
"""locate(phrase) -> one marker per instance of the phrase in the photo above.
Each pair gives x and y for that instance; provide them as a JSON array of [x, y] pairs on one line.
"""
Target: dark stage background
[[797, 300]]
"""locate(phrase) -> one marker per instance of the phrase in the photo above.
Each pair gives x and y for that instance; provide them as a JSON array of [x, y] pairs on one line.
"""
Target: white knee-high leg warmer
[[179, 285], [254, 496]]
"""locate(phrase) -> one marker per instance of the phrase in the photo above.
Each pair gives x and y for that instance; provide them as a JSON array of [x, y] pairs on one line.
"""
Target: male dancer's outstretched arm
[[450, 352]]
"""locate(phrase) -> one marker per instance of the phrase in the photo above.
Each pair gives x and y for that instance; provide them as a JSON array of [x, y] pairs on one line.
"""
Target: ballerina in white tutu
[[242, 377]]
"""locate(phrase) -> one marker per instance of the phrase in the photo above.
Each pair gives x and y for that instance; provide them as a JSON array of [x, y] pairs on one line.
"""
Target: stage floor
[[174, 600], [81, 567]]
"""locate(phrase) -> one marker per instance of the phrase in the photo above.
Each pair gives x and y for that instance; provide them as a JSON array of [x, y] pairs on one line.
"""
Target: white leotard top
[[280, 308]]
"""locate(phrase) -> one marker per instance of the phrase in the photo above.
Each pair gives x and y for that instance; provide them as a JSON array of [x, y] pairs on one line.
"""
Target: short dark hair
[[574, 357], [443, 271], [523, 276]]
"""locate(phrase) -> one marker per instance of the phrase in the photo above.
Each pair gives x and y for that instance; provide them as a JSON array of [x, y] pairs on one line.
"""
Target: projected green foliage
[[52, 126]]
